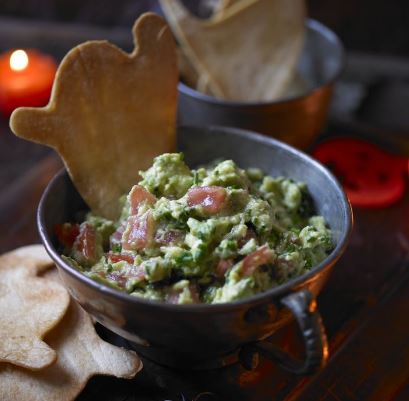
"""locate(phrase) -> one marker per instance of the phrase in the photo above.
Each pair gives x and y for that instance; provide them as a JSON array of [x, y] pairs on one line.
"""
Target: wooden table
[[364, 306]]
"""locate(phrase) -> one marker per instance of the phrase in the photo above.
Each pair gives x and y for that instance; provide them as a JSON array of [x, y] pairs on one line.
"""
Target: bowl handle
[[304, 308]]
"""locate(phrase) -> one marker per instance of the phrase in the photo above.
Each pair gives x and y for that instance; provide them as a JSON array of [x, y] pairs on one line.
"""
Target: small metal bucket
[[296, 120]]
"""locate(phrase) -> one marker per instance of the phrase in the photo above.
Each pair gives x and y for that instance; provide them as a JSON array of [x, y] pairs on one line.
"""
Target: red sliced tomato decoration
[[211, 199], [371, 177], [66, 233]]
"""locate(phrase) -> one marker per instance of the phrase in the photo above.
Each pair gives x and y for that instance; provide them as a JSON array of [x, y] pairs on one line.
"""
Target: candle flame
[[18, 60]]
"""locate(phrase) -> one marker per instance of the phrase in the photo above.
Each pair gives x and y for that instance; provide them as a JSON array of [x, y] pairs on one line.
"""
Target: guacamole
[[215, 234]]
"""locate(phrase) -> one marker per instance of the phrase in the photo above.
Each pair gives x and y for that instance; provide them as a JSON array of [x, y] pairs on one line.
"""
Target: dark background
[[376, 26]]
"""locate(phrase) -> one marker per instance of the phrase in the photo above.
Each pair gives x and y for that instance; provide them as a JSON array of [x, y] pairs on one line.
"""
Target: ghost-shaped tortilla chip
[[29, 308], [81, 355], [110, 112]]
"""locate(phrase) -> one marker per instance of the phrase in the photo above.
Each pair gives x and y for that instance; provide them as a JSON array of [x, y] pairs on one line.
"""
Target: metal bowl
[[296, 120], [201, 336]]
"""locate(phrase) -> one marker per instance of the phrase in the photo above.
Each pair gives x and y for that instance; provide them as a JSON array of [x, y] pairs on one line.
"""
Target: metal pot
[[204, 336], [295, 119]]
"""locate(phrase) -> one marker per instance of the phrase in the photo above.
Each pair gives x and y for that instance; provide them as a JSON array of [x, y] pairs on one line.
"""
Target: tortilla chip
[[190, 75], [186, 70], [81, 355], [250, 53], [110, 112], [29, 308], [221, 7]]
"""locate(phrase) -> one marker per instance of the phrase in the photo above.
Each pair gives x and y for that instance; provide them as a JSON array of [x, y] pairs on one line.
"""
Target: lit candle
[[26, 78]]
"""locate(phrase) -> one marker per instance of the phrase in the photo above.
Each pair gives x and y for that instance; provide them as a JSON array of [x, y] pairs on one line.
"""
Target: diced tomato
[[139, 232], [85, 243], [66, 234], [194, 293], [173, 297], [118, 277], [250, 234], [119, 257], [121, 277], [223, 266], [116, 237], [261, 256], [139, 195], [136, 272], [212, 198], [370, 176], [169, 237]]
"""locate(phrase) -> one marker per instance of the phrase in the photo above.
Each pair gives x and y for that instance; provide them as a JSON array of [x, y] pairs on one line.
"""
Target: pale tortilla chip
[[222, 7], [30, 307], [110, 112], [81, 355], [190, 75], [186, 70], [250, 53]]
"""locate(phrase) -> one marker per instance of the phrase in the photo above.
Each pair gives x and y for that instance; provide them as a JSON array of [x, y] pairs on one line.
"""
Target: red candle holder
[[26, 79]]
